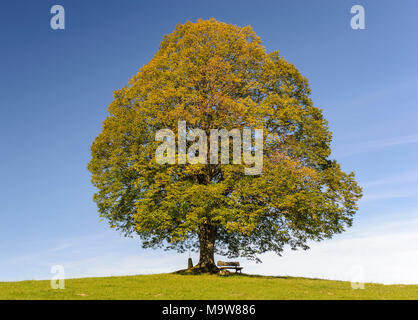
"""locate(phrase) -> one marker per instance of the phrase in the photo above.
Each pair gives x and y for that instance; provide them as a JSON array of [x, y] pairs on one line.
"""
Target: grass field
[[174, 286]]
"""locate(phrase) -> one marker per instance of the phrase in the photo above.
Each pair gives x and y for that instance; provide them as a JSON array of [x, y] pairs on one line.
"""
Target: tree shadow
[[197, 271]]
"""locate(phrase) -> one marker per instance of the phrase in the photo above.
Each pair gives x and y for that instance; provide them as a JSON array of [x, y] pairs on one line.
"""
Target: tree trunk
[[207, 238]]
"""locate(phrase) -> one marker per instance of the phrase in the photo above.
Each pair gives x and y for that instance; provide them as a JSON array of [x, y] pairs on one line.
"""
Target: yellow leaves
[[215, 75]]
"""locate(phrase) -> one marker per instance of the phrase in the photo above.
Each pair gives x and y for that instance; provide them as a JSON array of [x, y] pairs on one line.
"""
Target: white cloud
[[385, 256], [385, 250]]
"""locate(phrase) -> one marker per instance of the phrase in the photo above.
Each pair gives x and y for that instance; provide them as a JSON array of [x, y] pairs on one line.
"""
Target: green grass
[[175, 286]]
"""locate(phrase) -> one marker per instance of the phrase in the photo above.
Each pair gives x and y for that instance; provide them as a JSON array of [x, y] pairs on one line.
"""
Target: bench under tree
[[224, 265]]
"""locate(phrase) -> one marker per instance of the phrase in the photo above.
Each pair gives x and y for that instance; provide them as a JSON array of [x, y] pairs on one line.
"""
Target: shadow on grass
[[197, 272]]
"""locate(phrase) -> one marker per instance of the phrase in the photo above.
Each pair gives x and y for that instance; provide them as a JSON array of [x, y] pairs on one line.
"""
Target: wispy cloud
[[31, 256], [59, 246], [401, 185], [402, 88], [390, 142], [374, 145], [400, 178], [390, 194]]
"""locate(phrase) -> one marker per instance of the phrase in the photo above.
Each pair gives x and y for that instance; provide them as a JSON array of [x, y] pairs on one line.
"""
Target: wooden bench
[[223, 265]]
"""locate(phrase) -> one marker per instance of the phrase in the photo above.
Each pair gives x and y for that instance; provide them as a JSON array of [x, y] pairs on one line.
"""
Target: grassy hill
[[174, 286]]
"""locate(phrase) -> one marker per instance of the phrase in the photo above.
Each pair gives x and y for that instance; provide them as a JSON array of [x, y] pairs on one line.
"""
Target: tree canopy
[[216, 75]]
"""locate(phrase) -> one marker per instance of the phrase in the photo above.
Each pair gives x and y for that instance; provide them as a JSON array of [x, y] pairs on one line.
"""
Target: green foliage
[[216, 75]]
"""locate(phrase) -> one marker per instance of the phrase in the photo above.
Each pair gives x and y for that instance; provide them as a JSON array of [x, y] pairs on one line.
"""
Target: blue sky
[[55, 86]]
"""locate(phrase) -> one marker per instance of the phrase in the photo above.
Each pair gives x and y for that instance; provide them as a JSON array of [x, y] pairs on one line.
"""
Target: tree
[[216, 75]]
